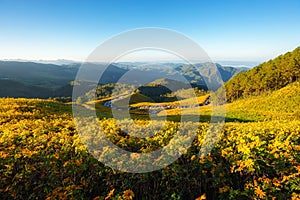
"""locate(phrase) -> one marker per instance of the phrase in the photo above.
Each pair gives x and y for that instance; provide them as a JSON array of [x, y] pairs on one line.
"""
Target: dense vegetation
[[269, 76], [281, 104], [41, 156], [256, 155]]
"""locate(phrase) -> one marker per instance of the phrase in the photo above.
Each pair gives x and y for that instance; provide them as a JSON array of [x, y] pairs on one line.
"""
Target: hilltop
[[266, 77]]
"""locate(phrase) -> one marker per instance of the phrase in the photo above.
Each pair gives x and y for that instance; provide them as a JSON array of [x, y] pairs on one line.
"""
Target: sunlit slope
[[280, 104], [42, 157], [269, 76], [184, 102], [131, 99]]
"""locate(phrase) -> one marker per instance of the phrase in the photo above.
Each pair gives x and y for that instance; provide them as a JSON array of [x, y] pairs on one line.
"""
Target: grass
[[280, 104], [185, 102]]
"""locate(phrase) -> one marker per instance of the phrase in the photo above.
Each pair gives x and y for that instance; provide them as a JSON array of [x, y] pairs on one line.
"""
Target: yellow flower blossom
[[128, 195], [259, 193]]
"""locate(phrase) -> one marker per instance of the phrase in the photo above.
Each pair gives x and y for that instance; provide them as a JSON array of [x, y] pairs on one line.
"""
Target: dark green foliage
[[267, 77], [38, 74], [10, 88]]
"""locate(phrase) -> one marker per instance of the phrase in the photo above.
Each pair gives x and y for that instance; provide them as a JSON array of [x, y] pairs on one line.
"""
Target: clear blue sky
[[253, 30]]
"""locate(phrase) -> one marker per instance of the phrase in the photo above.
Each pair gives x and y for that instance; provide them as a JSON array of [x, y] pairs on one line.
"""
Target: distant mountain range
[[40, 80], [229, 63]]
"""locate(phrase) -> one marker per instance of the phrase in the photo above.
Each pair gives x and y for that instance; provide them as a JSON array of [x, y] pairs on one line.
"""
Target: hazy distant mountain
[[30, 79], [54, 62], [247, 64], [215, 75], [10, 88], [37, 74], [210, 74]]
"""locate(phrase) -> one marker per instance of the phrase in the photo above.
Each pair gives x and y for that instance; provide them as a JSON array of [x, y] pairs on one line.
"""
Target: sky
[[228, 30]]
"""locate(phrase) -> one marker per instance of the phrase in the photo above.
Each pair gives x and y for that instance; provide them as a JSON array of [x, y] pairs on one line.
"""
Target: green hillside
[[42, 157], [38, 74], [268, 76], [132, 99], [280, 104], [11, 88], [256, 155]]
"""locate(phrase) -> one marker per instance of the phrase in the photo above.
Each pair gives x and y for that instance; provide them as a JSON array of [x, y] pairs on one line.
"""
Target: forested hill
[[266, 77]]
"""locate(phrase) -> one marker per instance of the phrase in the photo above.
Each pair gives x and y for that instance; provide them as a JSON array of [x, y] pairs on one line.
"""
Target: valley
[[254, 155]]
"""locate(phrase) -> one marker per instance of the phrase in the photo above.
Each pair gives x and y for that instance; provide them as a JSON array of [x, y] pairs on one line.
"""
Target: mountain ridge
[[266, 77], [52, 80]]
